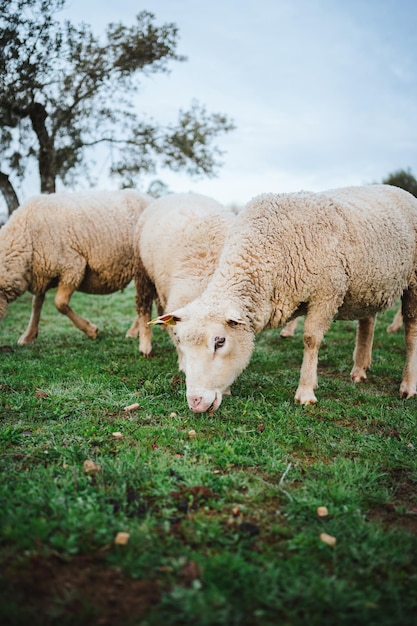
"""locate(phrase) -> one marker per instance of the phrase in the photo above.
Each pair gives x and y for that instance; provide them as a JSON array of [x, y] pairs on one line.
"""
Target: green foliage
[[223, 524], [403, 179], [64, 91]]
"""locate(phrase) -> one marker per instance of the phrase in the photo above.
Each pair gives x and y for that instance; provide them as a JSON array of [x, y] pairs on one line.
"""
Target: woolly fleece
[[178, 241], [341, 254], [79, 241]]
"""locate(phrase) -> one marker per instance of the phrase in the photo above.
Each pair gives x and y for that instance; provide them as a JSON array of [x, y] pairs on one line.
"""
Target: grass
[[223, 525]]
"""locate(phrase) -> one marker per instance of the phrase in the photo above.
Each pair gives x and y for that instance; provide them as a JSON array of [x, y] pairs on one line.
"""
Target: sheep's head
[[213, 350]]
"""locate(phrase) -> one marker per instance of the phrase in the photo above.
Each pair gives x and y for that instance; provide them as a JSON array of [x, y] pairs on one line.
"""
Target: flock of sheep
[[219, 277]]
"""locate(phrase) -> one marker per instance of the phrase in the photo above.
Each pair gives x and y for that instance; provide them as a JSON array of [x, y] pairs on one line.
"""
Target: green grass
[[223, 526]]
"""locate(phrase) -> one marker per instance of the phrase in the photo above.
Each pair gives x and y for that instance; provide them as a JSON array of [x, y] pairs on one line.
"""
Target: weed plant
[[221, 511]]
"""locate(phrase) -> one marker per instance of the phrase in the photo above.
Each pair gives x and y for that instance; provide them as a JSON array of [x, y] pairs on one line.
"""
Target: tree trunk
[[38, 116], [9, 194]]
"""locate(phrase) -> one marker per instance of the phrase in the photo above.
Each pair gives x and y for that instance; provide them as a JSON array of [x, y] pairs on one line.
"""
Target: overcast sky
[[323, 92]]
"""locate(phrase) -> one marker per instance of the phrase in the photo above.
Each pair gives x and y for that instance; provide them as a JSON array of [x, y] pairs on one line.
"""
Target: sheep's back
[[356, 245], [179, 239], [68, 229]]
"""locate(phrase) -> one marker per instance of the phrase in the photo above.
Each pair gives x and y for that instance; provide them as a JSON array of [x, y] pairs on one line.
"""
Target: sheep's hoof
[[357, 378], [92, 332], [148, 355], [305, 398], [407, 392], [26, 340]]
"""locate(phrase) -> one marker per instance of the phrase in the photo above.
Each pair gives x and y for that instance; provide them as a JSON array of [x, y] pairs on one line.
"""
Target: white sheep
[[74, 241], [178, 240], [341, 254]]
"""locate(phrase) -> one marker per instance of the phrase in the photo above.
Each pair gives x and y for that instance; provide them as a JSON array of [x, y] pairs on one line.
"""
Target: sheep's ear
[[233, 318], [233, 321], [165, 320]]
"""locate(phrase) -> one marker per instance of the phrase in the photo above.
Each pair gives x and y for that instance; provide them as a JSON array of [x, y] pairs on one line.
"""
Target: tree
[[8, 192], [64, 92], [403, 179]]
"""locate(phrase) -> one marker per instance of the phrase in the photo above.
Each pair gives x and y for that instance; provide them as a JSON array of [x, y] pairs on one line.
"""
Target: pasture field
[[222, 514]]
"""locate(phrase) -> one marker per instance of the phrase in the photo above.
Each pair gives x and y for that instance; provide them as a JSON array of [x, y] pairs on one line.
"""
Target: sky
[[323, 93]]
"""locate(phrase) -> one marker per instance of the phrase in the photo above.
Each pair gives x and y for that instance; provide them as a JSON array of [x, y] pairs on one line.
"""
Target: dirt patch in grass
[[401, 511], [391, 518], [81, 590], [191, 497]]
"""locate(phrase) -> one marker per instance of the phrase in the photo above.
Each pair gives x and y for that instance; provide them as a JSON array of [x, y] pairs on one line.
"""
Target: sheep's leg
[[62, 298], [32, 329], [409, 313], [290, 328], [315, 326], [362, 355], [145, 332], [133, 331], [396, 323], [145, 296]]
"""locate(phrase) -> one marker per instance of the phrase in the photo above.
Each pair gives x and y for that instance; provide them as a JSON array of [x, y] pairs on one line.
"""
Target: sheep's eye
[[219, 342]]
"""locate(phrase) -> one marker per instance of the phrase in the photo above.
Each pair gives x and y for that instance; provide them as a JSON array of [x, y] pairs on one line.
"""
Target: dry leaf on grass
[[328, 539], [322, 511], [132, 407], [121, 539], [41, 394], [117, 435], [90, 467]]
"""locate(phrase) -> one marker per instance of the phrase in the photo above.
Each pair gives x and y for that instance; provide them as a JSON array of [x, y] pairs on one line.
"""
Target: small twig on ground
[[281, 482]]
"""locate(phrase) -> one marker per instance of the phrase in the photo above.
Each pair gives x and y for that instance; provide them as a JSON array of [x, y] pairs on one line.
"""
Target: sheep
[[74, 241], [345, 253], [177, 241]]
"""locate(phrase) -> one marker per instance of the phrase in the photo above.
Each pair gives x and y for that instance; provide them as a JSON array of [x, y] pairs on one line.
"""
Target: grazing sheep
[[341, 254], [72, 241], [177, 241]]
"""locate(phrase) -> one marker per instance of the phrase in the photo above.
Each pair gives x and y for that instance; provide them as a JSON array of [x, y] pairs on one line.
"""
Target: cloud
[[323, 93]]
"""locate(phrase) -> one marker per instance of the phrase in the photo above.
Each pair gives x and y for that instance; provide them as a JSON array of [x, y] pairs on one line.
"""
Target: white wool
[[178, 241], [75, 241], [341, 254]]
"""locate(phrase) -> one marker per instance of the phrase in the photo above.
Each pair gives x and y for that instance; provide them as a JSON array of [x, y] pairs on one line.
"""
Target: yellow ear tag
[[169, 320]]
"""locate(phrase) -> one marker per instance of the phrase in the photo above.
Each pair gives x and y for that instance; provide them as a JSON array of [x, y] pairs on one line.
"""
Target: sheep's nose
[[195, 403]]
